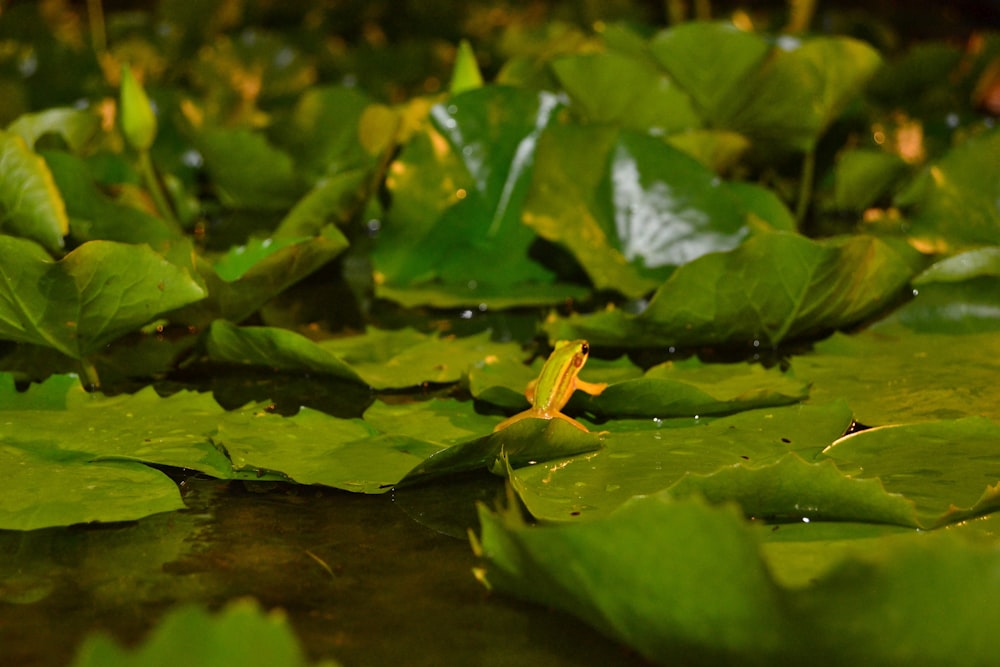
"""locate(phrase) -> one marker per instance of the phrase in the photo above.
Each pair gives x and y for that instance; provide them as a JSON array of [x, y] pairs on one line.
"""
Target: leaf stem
[[805, 187], [88, 375], [152, 181]]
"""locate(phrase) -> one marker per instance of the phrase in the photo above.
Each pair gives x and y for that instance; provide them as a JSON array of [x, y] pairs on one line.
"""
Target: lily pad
[[891, 376], [658, 453], [50, 486], [949, 468], [699, 585]]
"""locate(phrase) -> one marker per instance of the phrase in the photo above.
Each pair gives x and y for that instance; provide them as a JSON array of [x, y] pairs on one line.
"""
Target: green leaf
[[695, 585], [270, 267], [802, 87], [948, 468], [280, 349], [628, 206], [861, 176], [956, 202], [465, 75], [77, 127], [332, 200], [382, 359], [30, 204], [466, 228], [651, 456], [775, 287], [616, 88], [874, 372], [247, 171], [322, 132], [705, 585], [95, 294], [48, 486], [794, 490], [241, 634], [93, 216], [711, 62], [670, 389], [675, 390]]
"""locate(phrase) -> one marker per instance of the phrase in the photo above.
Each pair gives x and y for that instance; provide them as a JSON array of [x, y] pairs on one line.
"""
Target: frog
[[554, 386]]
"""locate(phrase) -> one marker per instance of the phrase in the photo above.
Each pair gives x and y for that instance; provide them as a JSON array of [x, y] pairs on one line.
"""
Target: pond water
[[367, 580]]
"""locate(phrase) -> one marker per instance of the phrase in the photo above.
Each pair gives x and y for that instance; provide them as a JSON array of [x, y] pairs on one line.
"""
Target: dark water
[[367, 580]]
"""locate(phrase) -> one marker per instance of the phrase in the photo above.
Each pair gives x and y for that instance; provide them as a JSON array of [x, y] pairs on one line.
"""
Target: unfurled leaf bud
[[137, 118]]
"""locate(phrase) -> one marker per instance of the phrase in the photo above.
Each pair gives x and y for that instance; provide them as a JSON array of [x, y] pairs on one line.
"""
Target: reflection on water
[[360, 579]]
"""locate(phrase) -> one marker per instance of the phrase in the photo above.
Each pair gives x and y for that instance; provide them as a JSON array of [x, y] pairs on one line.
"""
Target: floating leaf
[[30, 204], [95, 294], [950, 469], [701, 585], [795, 490], [269, 347], [891, 375], [50, 486], [239, 634], [652, 456]]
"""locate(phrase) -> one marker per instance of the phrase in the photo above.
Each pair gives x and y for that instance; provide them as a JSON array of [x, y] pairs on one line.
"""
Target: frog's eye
[[584, 347]]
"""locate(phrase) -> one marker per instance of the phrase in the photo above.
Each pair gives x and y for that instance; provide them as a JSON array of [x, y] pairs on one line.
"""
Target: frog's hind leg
[[572, 421]]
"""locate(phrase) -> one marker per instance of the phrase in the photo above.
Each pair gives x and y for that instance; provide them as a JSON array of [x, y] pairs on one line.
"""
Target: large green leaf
[[711, 62], [241, 634], [705, 585], [956, 201], [651, 456], [774, 287], [891, 376], [628, 206], [466, 229], [51, 486], [95, 294], [948, 468], [30, 204], [382, 359], [616, 88], [802, 87]]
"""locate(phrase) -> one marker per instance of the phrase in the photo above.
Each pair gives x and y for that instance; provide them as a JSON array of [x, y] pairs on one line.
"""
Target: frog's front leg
[[592, 388]]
